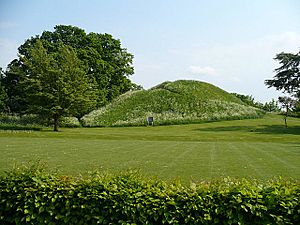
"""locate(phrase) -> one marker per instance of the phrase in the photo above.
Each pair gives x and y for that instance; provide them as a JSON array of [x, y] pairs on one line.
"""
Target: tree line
[[68, 72], [65, 72]]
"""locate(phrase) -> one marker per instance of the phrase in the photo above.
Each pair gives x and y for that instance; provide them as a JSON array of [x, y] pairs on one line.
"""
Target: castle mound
[[178, 102]]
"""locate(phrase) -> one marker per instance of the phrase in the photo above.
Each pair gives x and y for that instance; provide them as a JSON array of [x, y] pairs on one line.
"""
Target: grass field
[[260, 148]]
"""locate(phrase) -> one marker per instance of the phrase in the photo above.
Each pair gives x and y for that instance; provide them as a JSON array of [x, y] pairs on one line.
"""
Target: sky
[[229, 43]]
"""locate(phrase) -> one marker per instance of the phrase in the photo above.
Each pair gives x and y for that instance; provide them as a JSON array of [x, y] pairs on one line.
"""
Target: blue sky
[[229, 43]]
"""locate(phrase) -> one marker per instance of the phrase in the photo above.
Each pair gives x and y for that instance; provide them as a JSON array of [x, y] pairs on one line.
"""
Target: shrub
[[32, 122], [34, 197], [24, 122], [69, 122]]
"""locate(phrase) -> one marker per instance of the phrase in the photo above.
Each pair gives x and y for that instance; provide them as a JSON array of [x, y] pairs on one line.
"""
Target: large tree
[[106, 61], [57, 83], [287, 76]]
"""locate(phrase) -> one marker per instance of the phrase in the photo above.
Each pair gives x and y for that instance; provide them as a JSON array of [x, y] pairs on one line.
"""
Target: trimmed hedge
[[34, 197]]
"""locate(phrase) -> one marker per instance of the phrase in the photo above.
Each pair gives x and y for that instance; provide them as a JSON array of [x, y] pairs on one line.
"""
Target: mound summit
[[178, 102]]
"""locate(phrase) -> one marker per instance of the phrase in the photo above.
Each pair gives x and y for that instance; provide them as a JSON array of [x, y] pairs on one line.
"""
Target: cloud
[[235, 66], [286, 40], [8, 49], [202, 70]]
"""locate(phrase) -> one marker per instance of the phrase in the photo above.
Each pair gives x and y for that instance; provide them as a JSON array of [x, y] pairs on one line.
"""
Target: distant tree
[[136, 87], [271, 106], [3, 96], [296, 108], [249, 100], [56, 83], [287, 103], [106, 61], [287, 76]]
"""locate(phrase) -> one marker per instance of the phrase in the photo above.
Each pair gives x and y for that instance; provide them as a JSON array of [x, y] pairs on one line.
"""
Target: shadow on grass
[[265, 129]]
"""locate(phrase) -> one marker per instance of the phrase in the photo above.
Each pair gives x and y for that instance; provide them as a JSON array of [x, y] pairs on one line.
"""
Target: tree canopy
[[106, 62], [3, 95], [287, 76], [57, 83]]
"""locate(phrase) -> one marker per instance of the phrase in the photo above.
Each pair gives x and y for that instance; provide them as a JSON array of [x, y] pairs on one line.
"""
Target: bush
[[33, 122], [24, 122], [69, 122], [34, 197]]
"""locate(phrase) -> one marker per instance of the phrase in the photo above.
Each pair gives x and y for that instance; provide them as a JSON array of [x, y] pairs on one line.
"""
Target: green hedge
[[35, 197], [33, 122]]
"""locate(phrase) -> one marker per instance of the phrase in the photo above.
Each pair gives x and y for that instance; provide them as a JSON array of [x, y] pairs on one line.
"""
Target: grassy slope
[[259, 148], [172, 103]]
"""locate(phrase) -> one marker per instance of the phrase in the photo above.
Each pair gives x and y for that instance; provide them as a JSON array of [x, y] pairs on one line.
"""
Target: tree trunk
[[286, 126], [56, 120], [286, 115]]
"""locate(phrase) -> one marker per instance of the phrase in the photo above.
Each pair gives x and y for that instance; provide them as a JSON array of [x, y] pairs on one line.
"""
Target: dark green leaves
[[34, 197], [58, 85], [287, 76]]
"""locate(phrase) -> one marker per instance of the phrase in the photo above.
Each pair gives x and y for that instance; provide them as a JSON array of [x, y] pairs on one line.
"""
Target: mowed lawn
[[259, 148]]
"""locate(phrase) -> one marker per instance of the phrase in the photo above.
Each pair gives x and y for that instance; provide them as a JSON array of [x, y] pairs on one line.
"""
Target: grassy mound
[[179, 102]]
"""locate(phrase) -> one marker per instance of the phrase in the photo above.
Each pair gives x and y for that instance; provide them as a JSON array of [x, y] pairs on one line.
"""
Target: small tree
[[287, 103], [287, 76], [271, 106], [57, 84]]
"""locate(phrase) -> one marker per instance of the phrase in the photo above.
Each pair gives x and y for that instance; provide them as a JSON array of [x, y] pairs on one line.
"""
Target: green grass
[[179, 102], [259, 148]]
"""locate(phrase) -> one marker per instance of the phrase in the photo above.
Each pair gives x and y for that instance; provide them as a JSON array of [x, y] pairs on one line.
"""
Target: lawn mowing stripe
[[243, 157], [147, 153], [270, 153], [197, 163], [280, 164], [177, 160], [256, 158], [212, 156]]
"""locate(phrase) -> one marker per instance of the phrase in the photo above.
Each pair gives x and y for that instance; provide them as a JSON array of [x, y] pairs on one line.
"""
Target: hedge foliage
[[33, 122], [35, 197]]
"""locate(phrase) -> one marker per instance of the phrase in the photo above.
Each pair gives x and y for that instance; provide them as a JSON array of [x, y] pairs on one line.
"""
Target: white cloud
[[241, 66], [8, 50], [202, 70], [285, 41]]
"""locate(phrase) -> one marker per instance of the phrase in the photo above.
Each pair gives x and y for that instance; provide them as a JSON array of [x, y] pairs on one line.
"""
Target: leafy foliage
[[3, 95], [33, 122], [287, 76], [106, 63], [57, 85], [172, 103], [248, 99], [33, 196], [14, 87], [271, 106]]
